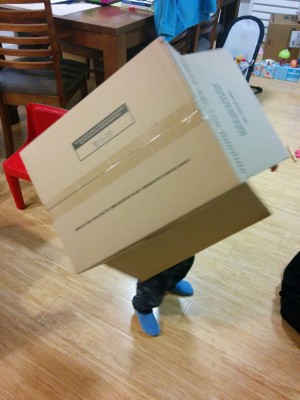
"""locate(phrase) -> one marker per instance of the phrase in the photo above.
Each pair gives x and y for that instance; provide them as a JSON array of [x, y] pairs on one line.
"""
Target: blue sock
[[148, 323], [183, 288]]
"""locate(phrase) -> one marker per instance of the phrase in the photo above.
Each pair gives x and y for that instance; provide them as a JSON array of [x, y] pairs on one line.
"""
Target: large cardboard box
[[151, 167], [282, 34]]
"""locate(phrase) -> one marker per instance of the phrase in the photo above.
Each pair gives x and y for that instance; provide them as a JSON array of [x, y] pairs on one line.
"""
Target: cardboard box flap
[[220, 218], [232, 111]]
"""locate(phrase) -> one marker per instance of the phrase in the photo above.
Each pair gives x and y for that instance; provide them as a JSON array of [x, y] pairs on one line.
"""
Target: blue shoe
[[148, 323], [183, 288]]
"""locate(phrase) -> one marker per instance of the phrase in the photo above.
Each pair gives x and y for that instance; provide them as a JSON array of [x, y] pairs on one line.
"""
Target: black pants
[[150, 293]]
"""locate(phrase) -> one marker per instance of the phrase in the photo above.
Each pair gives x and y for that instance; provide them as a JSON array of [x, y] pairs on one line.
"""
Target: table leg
[[114, 54]]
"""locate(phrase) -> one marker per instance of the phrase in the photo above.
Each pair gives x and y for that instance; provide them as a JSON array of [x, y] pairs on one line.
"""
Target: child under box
[[151, 167]]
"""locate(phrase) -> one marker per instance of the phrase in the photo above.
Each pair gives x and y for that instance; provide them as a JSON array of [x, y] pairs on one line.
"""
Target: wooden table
[[110, 29], [113, 30]]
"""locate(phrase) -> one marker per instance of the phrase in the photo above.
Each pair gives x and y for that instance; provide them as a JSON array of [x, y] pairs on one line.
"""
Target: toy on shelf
[[260, 55], [274, 70], [284, 55], [294, 63], [267, 68]]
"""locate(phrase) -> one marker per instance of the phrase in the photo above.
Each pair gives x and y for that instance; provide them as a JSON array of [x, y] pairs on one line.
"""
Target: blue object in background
[[280, 72], [293, 74], [287, 73], [174, 16]]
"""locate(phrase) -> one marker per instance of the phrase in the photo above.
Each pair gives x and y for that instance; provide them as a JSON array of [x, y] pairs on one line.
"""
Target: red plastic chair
[[39, 118]]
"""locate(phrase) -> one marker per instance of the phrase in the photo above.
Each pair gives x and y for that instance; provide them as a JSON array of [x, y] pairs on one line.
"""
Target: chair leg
[[84, 89], [14, 115], [7, 130], [15, 190], [98, 70], [88, 62]]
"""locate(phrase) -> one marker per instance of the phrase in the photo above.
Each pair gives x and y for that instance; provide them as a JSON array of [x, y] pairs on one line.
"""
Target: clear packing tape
[[129, 156]]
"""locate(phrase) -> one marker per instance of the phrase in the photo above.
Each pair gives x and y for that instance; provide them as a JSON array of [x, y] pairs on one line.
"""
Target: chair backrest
[[40, 117], [244, 37], [207, 28], [32, 34], [183, 42]]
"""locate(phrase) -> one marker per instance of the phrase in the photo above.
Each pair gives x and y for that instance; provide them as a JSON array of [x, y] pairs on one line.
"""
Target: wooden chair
[[206, 32], [90, 55], [39, 118], [183, 42], [33, 71], [67, 47]]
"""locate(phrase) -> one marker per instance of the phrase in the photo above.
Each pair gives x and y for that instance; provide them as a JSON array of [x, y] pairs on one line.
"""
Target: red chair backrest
[[40, 117]]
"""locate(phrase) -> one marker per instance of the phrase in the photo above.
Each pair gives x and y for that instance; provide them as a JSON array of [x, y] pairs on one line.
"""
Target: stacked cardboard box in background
[[283, 33]]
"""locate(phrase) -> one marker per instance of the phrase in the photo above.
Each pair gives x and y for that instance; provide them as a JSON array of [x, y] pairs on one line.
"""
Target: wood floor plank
[[75, 337]]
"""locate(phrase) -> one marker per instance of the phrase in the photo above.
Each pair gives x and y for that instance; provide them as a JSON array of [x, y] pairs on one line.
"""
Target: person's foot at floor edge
[[183, 288], [148, 323]]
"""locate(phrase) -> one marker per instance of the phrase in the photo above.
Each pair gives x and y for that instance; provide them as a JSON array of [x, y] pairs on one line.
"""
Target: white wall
[[244, 7], [6, 33], [264, 8]]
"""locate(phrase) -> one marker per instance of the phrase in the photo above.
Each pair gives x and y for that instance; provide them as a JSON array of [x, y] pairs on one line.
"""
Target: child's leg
[[150, 293], [177, 273]]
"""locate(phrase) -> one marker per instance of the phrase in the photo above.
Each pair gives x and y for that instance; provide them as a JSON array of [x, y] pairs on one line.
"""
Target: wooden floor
[[69, 337]]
